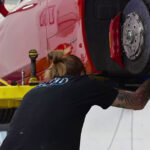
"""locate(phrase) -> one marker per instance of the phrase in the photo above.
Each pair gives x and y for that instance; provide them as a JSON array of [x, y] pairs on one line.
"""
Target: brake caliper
[[114, 40]]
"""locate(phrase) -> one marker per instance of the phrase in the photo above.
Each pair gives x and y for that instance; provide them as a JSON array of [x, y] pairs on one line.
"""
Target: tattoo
[[120, 96], [119, 105], [145, 89], [134, 100], [126, 99]]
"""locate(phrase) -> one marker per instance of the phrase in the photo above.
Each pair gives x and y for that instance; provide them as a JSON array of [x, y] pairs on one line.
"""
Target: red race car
[[111, 37]]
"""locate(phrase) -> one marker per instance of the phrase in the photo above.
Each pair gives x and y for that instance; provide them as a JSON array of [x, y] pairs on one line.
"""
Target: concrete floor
[[101, 126], [130, 130]]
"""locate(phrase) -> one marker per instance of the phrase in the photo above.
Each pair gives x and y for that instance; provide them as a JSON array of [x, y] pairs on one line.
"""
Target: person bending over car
[[51, 115]]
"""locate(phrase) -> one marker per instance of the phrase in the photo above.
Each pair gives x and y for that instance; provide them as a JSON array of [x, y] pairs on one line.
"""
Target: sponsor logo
[[55, 81]]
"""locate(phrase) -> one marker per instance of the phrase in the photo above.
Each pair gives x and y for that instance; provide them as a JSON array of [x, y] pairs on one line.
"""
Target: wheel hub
[[133, 36]]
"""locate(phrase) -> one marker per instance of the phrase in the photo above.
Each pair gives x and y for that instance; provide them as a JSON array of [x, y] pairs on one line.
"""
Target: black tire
[[141, 64], [147, 2], [6, 115]]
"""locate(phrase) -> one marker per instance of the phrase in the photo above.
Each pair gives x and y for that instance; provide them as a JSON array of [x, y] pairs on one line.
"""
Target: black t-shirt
[[51, 115]]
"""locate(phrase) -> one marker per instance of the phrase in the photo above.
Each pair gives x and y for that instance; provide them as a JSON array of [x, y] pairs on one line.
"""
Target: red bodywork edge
[[114, 40], [3, 10], [81, 4]]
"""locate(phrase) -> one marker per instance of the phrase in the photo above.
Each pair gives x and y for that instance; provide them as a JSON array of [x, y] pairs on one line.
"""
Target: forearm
[[128, 100], [134, 100], [143, 92]]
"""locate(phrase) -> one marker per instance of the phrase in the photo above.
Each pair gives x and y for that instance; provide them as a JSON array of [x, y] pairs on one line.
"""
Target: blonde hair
[[63, 65]]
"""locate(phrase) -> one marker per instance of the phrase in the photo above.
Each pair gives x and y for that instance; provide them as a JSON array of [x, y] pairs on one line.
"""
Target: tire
[[147, 2], [6, 115], [138, 63]]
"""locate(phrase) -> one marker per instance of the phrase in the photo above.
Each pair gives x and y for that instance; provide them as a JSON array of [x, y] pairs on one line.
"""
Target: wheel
[[6, 115], [136, 37]]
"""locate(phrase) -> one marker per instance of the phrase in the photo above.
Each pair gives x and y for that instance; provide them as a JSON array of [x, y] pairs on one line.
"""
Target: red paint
[[63, 47], [51, 14], [114, 39], [81, 6], [3, 10], [43, 18], [80, 45], [44, 25]]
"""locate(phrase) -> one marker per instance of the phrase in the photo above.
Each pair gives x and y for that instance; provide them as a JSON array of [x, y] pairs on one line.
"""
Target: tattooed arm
[[134, 100]]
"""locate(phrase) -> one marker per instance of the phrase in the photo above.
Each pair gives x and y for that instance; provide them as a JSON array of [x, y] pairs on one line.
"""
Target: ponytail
[[63, 65], [56, 56], [57, 67]]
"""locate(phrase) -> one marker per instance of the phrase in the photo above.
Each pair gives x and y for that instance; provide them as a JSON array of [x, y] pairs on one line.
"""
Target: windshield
[[10, 4]]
